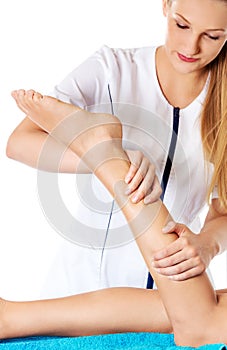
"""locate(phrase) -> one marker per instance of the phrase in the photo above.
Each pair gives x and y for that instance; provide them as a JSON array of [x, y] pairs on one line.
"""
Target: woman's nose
[[192, 46]]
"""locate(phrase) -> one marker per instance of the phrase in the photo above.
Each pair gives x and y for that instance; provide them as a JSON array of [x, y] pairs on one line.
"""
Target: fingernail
[[135, 199], [171, 278], [168, 226], [127, 191], [146, 201]]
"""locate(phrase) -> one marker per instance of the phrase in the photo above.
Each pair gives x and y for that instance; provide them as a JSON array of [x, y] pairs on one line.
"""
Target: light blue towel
[[122, 341]]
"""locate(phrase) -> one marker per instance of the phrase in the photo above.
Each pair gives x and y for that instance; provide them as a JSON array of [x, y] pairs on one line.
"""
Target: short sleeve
[[87, 84]]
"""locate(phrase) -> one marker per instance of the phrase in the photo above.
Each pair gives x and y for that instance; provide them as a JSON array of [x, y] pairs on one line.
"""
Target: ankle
[[95, 133], [105, 127]]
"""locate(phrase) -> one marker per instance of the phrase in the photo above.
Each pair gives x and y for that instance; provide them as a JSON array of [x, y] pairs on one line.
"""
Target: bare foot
[[45, 111], [67, 122]]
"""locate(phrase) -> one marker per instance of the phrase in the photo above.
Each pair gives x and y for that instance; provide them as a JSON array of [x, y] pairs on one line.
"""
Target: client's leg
[[105, 311], [192, 304]]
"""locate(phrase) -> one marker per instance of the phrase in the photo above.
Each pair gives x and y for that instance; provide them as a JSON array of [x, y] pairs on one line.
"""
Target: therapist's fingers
[[142, 181], [135, 158], [147, 191], [155, 192], [195, 271], [168, 261], [182, 271], [141, 178], [169, 250]]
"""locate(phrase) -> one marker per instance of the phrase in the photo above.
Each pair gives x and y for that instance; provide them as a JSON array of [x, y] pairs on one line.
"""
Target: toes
[[26, 99], [31, 97], [21, 93], [19, 96], [37, 97], [29, 94], [14, 94]]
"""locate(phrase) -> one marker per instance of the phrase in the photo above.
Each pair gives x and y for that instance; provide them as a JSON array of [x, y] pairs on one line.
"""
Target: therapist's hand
[[142, 181], [186, 257]]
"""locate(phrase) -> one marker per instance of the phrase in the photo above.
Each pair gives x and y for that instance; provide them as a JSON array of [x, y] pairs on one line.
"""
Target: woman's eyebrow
[[207, 30], [182, 17]]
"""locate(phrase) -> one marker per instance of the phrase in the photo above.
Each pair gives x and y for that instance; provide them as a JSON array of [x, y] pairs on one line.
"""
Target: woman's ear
[[164, 7]]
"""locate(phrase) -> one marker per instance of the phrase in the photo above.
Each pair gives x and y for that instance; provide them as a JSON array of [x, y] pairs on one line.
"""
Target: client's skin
[[190, 308]]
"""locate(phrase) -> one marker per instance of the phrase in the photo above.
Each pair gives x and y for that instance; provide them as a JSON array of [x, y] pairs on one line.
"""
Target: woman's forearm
[[214, 230], [25, 145]]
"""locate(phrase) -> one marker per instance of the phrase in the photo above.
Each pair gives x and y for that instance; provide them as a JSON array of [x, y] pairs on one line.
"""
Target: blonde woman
[[194, 55], [186, 78]]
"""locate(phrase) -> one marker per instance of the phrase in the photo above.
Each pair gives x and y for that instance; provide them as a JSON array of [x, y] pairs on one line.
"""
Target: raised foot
[[46, 111], [67, 122]]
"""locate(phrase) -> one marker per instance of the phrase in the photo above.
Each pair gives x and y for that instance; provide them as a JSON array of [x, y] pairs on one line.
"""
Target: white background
[[41, 42]]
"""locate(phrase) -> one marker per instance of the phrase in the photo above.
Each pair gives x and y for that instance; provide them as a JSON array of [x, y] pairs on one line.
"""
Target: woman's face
[[196, 32]]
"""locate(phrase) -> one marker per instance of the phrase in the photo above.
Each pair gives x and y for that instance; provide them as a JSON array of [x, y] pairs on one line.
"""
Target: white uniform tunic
[[124, 82]]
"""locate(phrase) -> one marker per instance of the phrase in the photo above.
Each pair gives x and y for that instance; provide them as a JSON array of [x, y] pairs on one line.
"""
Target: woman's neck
[[179, 89]]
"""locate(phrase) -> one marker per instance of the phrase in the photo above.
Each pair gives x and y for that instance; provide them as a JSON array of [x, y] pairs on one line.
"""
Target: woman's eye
[[213, 37], [181, 26]]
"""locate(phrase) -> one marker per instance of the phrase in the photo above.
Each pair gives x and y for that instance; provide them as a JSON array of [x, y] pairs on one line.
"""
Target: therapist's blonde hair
[[214, 124]]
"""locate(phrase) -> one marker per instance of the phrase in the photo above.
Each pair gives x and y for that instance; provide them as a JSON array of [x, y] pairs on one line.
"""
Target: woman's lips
[[186, 59]]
